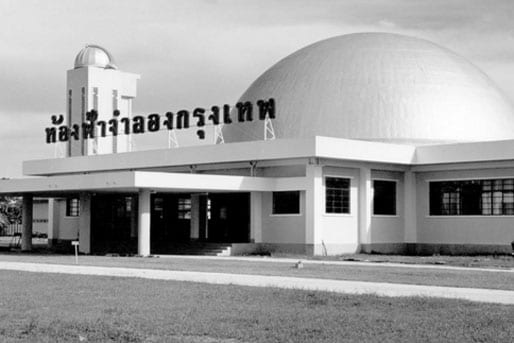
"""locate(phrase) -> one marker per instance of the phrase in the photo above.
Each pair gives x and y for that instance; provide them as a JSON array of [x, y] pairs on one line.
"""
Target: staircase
[[196, 248]]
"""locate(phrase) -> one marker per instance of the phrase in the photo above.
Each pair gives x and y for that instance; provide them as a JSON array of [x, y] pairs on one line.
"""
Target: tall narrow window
[[72, 207], [184, 208], [83, 115], [95, 106], [384, 197], [115, 107], [286, 202], [337, 195], [69, 120]]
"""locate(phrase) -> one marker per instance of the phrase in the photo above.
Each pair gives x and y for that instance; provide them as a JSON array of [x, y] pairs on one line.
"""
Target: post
[[85, 223], [365, 200], [143, 237], [26, 236], [256, 217], [410, 204], [313, 206]]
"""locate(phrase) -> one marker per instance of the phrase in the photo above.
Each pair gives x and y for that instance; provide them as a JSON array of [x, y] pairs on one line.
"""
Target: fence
[[11, 230]]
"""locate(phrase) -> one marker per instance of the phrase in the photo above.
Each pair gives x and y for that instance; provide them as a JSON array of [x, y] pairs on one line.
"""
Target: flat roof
[[279, 149], [132, 181]]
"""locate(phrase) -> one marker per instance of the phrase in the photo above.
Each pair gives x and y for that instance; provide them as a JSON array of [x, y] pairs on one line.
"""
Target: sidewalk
[[337, 263], [338, 286]]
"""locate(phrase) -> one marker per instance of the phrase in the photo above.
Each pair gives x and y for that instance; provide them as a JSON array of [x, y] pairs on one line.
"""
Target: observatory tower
[[95, 83]]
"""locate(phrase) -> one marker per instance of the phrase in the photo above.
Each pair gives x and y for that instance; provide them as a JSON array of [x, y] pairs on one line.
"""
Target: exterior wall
[[339, 233], [40, 217], [492, 231], [289, 229], [67, 227], [105, 89], [384, 228]]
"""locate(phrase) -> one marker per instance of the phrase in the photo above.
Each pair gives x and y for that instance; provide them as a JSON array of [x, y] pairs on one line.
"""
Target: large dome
[[380, 87]]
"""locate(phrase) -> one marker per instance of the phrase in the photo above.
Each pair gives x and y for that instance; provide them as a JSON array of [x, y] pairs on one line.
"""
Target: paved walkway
[[338, 286], [338, 263]]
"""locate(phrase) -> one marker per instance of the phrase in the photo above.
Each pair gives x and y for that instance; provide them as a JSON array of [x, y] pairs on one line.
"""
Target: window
[[384, 197], [472, 197], [286, 202], [184, 208], [337, 195], [72, 207]]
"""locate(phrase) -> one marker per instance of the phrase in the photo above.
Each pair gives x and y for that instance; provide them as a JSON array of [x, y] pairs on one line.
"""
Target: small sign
[[76, 245]]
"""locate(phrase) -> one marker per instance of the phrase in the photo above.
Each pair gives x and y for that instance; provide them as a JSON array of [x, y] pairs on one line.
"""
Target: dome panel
[[94, 56], [380, 87]]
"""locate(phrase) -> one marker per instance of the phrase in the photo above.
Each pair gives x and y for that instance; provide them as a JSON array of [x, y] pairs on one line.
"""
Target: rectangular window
[[337, 195], [472, 197], [286, 202], [72, 207], [384, 197], [184, 208]]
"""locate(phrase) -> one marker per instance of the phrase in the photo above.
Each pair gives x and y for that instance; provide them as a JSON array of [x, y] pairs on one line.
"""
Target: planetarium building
[[367, 142]]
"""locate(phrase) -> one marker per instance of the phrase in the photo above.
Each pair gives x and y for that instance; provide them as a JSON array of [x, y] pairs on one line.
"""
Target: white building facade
[[383, 143]]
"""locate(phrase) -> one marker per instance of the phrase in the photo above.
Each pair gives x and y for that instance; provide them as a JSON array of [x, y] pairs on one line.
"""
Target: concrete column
[[313, 206], [26, 235], [85, 223], [143, 237], [195, 216], [410, 217], [365, 204], [53, 221], [133, 217], [256, 217]]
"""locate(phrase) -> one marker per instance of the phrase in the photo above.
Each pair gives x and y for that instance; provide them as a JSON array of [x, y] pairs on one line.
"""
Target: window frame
[[273, 214], [76, 208], [481, 180], [350, 182], [395, 198]]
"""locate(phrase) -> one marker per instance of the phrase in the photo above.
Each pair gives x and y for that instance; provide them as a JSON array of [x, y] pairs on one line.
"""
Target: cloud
[[200, 53]]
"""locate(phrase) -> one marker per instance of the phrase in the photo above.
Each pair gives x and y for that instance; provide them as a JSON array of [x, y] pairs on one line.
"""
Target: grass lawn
[[378, 273], [63, 308]]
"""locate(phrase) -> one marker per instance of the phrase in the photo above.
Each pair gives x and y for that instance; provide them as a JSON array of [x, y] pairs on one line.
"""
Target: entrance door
[[111, 229], [229, 218], [170, 220]]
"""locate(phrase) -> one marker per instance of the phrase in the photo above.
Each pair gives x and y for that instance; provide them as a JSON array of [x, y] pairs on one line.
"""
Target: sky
[[201, 53]]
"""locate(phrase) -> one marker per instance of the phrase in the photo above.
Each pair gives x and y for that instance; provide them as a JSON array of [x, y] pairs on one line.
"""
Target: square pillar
[[365, 203], [143, 237], [256, 217], [410, 217], [196, 214], [53, 221], [85, 223], [313, 205], [26, 235]]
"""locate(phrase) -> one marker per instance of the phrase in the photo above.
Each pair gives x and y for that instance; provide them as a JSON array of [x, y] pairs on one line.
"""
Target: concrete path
[[338, 286], [338, 263]]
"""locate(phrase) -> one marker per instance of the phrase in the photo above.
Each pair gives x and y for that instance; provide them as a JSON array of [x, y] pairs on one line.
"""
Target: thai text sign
[[92, 127]]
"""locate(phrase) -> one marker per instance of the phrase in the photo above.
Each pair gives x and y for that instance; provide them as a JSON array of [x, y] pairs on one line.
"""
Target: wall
[[40, 216], [385, 228], [282, 228], [473, 230], [339, 232], [67, 227]]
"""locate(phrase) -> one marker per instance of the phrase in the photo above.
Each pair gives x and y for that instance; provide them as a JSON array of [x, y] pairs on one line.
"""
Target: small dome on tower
[[94, 56]]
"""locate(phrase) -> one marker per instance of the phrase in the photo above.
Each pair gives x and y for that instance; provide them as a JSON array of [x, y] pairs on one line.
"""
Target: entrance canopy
[[131, 181]]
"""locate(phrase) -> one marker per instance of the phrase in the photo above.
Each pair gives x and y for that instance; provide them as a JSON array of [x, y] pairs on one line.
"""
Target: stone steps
[[201, 249]]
